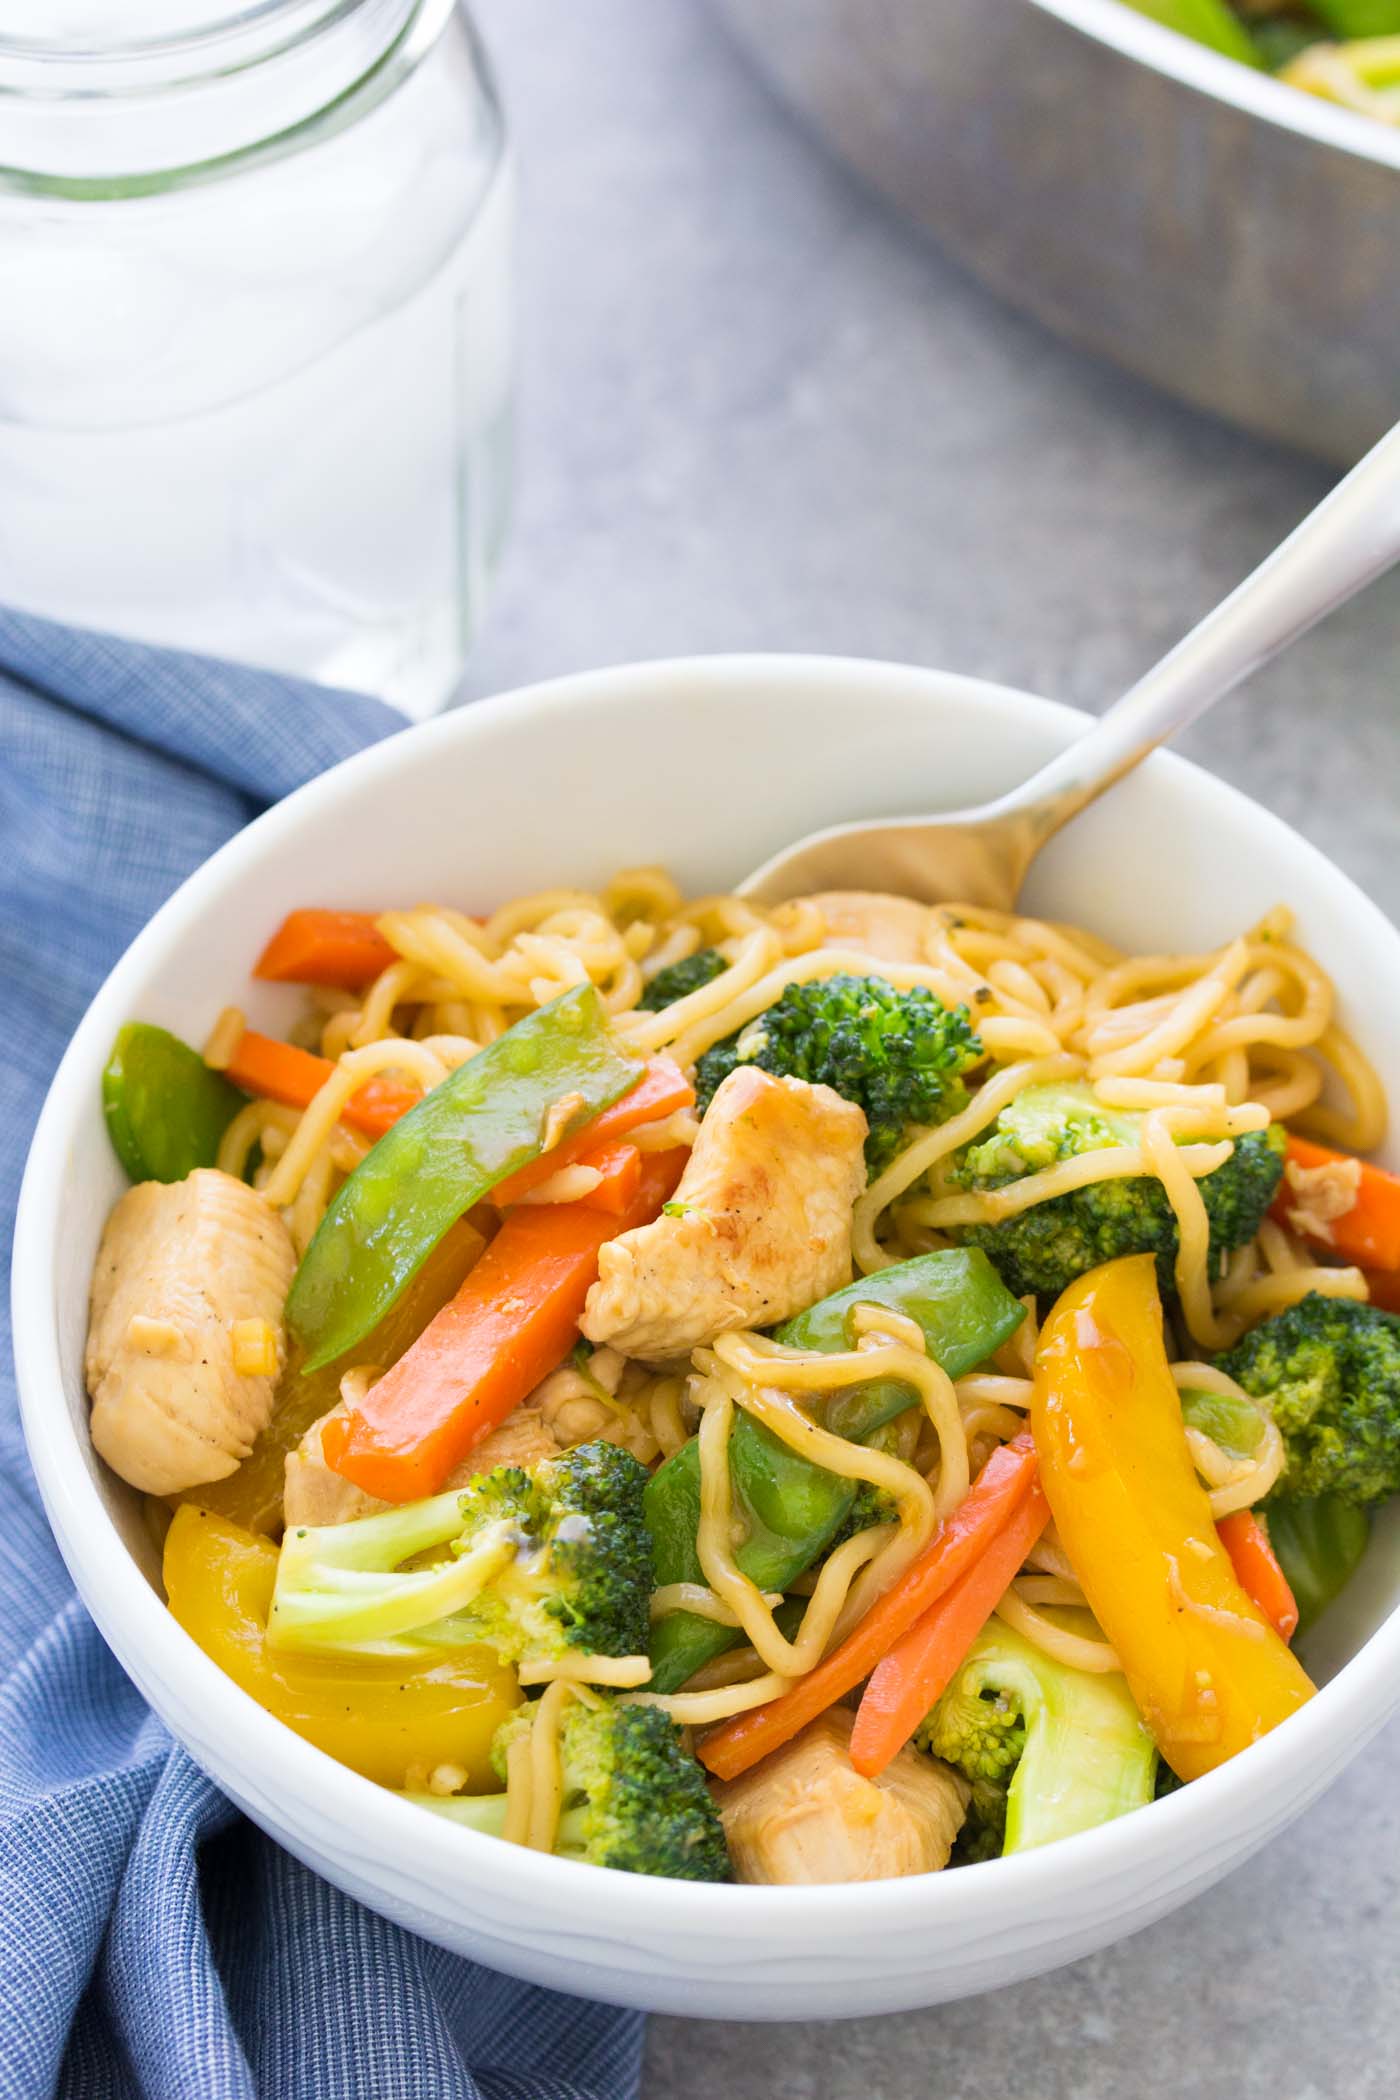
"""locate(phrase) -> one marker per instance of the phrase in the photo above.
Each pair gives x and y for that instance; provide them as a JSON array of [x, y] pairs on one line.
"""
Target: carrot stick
[[662, 1088], [281, 1072], [620, 1169], [1367, 1234], [343, 948], [1384, 1287], [915, 1673], [1255, 1563], [508, 1326], [998, 1492]]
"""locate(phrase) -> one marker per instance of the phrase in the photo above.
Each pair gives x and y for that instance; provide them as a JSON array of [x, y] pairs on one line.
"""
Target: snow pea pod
[[486, 1120], [792, 1509], [165, 1110]]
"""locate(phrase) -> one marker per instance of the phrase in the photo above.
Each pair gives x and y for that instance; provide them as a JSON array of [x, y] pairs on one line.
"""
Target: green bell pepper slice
[[165, 1110], [791, 1507], [1319, 1541], [486, 1120]]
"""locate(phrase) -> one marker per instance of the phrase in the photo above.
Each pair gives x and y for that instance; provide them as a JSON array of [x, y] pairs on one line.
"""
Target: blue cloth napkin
[[153, 1943]]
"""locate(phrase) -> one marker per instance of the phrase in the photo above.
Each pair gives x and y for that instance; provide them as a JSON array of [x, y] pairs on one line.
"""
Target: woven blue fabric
[[152, 1943]]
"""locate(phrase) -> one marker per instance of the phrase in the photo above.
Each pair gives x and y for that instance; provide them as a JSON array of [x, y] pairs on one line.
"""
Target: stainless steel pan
[[1227, 237]]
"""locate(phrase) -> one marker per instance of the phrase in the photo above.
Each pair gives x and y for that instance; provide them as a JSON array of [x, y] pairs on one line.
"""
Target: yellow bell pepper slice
[[381, 1717], [1208, 1672]]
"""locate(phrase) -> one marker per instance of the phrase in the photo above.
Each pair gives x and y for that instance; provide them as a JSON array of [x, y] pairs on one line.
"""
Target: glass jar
[[255, 329]]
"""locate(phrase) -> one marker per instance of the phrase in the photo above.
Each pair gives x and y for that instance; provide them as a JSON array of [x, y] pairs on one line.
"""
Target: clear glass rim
[[425, 23], [216, 52], [47, 48]]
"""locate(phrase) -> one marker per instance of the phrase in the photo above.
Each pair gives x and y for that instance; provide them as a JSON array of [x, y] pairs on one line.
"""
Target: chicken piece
[[806, 1815], [1320, 1195], [314, 1493], [891, 928], [585, 1403], [181, 1267], [760, 1226]]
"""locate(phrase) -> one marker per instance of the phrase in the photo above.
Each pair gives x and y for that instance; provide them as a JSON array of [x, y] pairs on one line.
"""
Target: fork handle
[[1349, 539]]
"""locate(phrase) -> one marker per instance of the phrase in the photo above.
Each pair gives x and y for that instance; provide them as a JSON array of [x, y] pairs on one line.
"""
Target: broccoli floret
[[872, 1505], [633, 1797], [1052, 1749], [534, 1563], [582, 1576], [1043, 1249], [677, 979], [1329, 1371], [983, 1834], [897, 1055]]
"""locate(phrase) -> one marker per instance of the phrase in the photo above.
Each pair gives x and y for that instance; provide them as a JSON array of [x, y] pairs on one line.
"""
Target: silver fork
[[980, 856]]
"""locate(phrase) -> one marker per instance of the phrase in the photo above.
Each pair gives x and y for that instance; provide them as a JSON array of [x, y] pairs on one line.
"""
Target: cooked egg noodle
[[1250, 1025], [762, 1377]]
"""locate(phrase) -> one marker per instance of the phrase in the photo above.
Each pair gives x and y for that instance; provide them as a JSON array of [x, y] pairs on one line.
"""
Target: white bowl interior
[[706, 767]]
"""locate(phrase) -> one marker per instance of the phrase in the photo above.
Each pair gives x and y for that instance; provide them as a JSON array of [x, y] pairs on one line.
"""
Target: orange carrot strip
[[1367, 1234], [621, 1169], [508, 1326], [998, 1491], [916, 1672], [662, 1089], [1256, 1565], [281, 1072], [1384, 1287], [343, 948]]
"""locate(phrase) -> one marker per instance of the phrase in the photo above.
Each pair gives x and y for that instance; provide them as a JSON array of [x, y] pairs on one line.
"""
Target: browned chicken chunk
[[185, 1337], [889, 927], [806, 1815], [314, 1493], [760, 1225]]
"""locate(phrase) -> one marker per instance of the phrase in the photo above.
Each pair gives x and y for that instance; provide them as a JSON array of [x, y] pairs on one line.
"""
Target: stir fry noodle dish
[[792, 1395]]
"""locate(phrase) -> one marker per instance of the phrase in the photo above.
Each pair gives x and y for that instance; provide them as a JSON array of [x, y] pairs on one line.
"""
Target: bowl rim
[[311, 1785], [1151, 44]]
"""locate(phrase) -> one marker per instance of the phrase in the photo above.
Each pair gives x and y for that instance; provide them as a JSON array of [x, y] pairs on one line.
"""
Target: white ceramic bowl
[[708, 766]]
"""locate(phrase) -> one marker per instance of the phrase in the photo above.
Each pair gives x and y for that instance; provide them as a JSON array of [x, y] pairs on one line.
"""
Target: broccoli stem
[[1072, 1741], [341, 1585], [1088, 1758]]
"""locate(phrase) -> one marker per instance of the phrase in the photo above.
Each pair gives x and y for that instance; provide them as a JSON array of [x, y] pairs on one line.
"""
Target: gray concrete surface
[[757, 413]]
